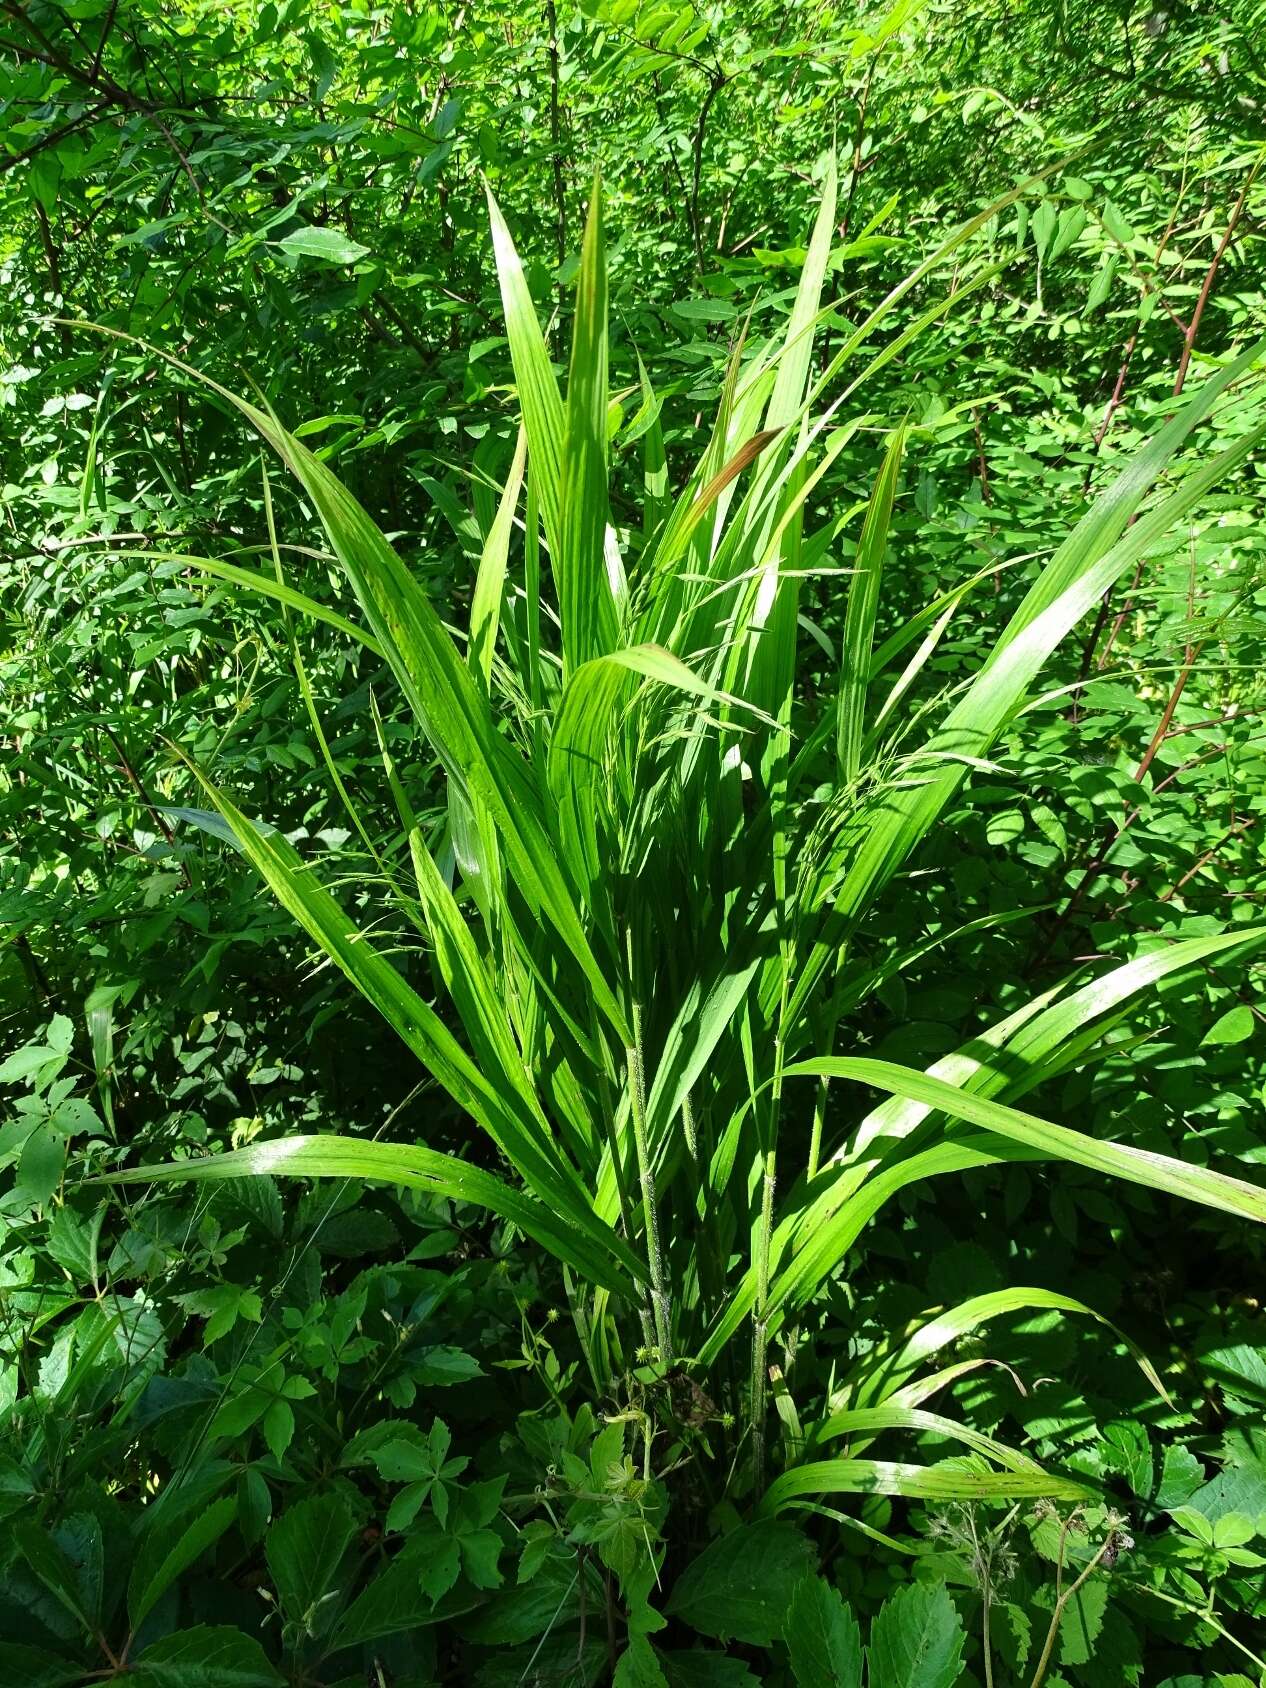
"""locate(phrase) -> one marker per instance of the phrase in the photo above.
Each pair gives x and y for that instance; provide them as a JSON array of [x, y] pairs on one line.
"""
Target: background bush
[[320, 1431]]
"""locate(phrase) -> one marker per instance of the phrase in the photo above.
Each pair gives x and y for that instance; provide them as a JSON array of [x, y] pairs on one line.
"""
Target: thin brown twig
[[1062, 1599], [1231, 832], [1184, 363], [1193, 328]]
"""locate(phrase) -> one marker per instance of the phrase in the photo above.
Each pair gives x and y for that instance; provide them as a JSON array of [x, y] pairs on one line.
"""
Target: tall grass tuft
[[664, 861]]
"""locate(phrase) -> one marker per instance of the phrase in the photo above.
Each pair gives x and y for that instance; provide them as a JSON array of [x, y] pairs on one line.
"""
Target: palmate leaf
[[414, 1168]]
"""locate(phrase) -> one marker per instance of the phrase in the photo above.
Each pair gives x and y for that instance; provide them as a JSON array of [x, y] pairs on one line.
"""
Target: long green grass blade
[[868, 1422], [504, 1109], [485, 605], [586, 573], [1056, 1142], [859, 618], [883, 1377], [915, 1482], [401, 1164]]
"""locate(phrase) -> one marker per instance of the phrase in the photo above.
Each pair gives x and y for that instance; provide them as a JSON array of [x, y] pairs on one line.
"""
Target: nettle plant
[[664, 860]]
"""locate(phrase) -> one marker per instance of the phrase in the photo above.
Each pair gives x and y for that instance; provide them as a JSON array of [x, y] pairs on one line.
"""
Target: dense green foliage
[[732, 693]]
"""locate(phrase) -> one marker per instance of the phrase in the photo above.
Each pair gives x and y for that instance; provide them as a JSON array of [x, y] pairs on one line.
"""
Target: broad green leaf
[[1082, 1621], [699, 1668], [740, 1586], [305, 1548], [331, 246], [1235, 1026], [1126, 1449], [409, 1593], [51, 1565], [638, 1666], [33, 1667]]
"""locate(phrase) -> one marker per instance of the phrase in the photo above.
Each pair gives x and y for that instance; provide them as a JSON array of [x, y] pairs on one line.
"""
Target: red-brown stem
[[1099, 861], [1167, 714], [982, 463], [1184, 362], [1114, 403], [860, 136], [1194, 869], [1193, 327]]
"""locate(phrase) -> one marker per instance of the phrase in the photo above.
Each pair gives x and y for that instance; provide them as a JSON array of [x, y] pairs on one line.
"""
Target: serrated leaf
[[638, 1666], [1082, 1620], [41, 1164], [441, 1366], [1181, 1475], [699, 1669], [823, 1638], [35, 1668], [279, 1428], [406, 1506], [204, 1657], [480, 1550], [404, 1595], [916, 1640], [1127, 1450]]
